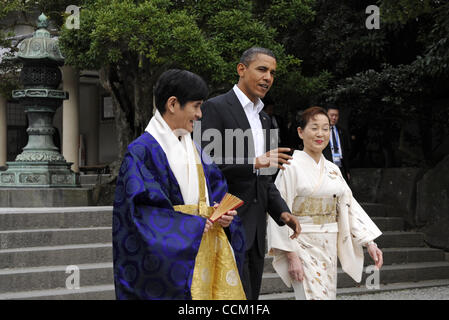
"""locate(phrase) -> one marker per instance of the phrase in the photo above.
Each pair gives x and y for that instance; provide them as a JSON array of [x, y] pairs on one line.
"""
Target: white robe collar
[[181, 157]]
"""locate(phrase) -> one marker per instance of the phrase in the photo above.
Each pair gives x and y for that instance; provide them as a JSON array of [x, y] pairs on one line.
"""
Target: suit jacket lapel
[[236, 110], [266, 126]]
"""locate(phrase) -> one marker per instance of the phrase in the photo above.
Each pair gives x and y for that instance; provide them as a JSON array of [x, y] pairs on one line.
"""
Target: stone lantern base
[[39, 175]]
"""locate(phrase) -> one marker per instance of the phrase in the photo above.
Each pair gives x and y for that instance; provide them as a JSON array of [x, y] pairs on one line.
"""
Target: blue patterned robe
[[154, 247]]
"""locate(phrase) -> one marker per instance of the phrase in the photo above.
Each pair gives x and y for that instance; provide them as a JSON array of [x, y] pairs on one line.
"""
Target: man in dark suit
[[338, 149], [238, 117]]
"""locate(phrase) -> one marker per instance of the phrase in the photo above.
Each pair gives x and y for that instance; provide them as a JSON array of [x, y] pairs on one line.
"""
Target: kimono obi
[[320, 210]]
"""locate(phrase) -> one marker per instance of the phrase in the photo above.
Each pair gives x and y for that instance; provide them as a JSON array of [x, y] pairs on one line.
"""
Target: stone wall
[[432, 207], [392, 186], [420, 197]]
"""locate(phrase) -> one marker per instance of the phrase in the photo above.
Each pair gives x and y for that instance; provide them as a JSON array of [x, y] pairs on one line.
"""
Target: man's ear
[[241, 69], [170, 105]]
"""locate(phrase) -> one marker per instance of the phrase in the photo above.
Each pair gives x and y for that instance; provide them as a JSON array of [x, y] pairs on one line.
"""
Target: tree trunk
[[131, 88]]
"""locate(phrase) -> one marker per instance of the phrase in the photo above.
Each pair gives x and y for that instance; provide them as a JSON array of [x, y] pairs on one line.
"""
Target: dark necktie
[[334, 140]]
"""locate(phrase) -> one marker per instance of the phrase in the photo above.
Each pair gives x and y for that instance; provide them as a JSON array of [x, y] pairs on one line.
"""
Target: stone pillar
[[90, 124], [70, 117], [3, 132]]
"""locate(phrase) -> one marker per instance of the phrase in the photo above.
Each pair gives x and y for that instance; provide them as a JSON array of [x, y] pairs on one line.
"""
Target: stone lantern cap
[[41, 46]]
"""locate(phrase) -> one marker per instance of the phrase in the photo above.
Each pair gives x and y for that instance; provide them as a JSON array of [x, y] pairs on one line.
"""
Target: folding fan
[[229, 202]]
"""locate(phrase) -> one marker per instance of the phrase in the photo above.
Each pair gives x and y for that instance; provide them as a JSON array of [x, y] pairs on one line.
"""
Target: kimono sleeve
[[362, 228], [279, 237]]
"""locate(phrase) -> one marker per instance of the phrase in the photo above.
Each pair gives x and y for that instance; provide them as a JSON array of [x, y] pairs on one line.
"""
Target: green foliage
[[402, 11], [172, 33], [137, 40], [111, 30], [324, 51], [283, 13]]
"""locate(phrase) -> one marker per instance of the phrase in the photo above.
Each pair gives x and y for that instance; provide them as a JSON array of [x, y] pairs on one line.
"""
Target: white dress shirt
[[252, 113]]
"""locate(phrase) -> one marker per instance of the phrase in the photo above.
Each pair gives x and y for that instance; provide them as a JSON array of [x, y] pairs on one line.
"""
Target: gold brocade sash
[[321, 210], [215, 275]]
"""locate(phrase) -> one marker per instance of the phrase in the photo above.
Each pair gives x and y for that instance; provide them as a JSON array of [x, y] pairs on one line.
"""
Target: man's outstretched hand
[[274, 158], [292, 222]]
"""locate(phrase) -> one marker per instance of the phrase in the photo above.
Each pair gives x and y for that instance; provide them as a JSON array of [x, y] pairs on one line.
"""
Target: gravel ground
[[433, 293]]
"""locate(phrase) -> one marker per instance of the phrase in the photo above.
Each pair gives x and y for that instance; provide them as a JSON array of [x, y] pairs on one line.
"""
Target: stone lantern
[[40, 164]]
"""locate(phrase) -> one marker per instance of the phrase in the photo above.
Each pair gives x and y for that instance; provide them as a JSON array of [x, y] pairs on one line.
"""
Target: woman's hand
[[295, 268], [227, 218], [376, 255]]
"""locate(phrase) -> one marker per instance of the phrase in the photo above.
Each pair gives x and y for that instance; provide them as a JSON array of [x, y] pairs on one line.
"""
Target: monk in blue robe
[[164, 245]]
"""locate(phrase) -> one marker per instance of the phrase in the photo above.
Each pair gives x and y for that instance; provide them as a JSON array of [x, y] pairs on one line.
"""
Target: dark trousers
[[252, 272]]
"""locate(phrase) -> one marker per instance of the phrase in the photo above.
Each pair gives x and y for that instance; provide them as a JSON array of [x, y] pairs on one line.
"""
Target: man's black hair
[[251, 53], [332, 106], [182, 84]]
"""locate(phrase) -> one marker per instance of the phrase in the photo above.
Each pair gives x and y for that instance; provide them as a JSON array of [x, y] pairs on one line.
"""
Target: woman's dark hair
[[311, 113], [182, 84]]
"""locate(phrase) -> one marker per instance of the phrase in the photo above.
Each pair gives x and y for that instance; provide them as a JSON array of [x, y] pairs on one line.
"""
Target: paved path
[[433, 293]]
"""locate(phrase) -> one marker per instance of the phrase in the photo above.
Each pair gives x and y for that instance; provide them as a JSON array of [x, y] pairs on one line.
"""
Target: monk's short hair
[[184, 85]]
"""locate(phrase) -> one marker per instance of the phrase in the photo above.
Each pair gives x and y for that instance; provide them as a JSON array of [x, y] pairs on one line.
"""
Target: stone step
[[82, 217], [400, 239], [363, 290], [53, 277], [47, 218], [391, 256], [100, 292], [411, 272], [46, 197], [54, 237], [379, 210], [55, 255], [389, 223]]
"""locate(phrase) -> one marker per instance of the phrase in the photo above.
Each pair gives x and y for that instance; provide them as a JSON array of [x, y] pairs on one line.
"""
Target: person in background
[[338, 149]]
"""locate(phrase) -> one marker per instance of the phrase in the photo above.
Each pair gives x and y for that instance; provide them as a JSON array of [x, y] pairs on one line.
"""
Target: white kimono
[[332, 222]]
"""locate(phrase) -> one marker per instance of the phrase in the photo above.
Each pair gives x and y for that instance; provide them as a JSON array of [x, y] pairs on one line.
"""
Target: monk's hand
[[226, 219], [273, 158], [208, 225], [376, 254], [292, 222], [295, 269]]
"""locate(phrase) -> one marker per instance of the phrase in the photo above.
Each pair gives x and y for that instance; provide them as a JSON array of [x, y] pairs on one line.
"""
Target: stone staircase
[[408, 262], [38, 244]]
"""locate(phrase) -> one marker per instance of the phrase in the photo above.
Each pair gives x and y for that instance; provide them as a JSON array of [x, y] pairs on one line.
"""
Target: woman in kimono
[[164, 245], [333, 223]]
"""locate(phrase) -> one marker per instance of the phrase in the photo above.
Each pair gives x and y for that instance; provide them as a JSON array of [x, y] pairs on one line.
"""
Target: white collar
[[246, 102], [306, 155], [180, 155]]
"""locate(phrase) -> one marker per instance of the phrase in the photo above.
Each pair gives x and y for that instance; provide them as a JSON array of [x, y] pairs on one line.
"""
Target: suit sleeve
[[276, 204], [211, 126]]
